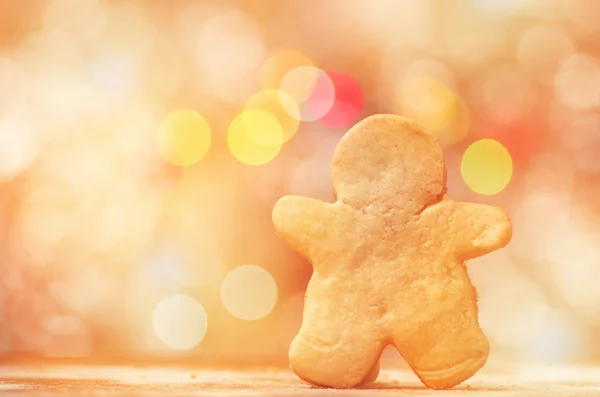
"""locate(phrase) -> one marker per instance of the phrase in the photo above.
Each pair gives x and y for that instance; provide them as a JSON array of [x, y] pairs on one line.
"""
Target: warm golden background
[[144, 143]]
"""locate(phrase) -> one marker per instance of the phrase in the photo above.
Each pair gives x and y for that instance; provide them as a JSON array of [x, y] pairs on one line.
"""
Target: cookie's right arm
[[304, 223], [472, 230], [478, 229]]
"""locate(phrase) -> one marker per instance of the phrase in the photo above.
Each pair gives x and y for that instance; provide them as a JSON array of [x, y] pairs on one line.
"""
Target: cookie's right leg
[[444, 344]]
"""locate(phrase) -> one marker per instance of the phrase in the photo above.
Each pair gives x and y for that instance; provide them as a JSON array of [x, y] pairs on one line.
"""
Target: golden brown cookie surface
[[388, 260]]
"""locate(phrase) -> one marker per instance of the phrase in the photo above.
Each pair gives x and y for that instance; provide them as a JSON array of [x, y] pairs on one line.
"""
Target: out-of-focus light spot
[[146, 288], [507, 96], [19, 146], [249, 292], [241, 142], [179, 322], [577, 82], [278, 64], [281, 106], [541, 50], [436, 108], [184, 137], [229, 49], [486, 167], [311, 89], [262, 127], [348, 103]]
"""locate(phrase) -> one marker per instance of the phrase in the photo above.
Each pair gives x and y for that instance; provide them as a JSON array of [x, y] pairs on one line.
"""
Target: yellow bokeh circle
[[262, 127], [486, 167], [179, 321], [278, 64], [183, 137], [255, 137], [249, 292], [279, 104]]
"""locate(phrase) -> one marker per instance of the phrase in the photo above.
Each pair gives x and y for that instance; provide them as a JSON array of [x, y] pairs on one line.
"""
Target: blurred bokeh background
[[144, 143]]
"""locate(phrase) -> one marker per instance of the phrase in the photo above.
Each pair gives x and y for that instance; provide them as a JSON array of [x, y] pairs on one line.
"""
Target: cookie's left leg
[[342, 362]]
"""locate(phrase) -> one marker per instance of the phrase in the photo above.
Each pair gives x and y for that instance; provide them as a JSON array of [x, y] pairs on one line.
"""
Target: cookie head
[[387, 158]]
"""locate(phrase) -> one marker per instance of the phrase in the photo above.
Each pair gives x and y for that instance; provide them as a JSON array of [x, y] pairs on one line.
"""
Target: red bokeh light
[[348, 103], [321, 98]]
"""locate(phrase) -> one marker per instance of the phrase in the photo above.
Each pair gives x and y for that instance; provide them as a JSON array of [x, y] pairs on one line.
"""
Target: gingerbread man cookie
[[389, 262]]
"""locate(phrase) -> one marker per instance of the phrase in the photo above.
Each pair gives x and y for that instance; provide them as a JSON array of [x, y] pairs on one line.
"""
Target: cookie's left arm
[[304, 223], [478, 229]]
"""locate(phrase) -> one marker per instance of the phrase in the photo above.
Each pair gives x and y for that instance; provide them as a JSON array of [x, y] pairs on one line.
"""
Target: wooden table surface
[[514, 380]]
